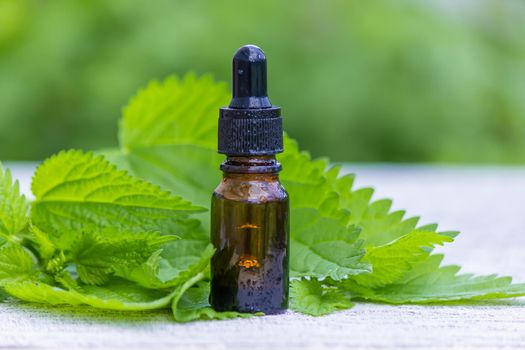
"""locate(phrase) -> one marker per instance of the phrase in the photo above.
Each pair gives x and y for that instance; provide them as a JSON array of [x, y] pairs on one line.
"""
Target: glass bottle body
[[250, 233]]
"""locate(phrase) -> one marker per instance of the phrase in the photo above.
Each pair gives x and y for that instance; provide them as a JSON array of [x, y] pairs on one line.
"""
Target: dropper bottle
[[250, 207]]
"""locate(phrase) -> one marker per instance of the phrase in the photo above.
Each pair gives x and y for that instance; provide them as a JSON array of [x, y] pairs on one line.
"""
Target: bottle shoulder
[[252, 190]]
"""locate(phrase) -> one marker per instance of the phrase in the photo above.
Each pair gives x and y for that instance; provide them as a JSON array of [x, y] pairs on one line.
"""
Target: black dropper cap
[[250, 125]]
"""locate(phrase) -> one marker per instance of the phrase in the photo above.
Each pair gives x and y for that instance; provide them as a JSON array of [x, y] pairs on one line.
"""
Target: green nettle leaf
[[174, 109], [323, 247], [13, 207], [191, 303], [314, 184], [116, 294], [178, 256], [16, 264], [76, 190], [98, 255], [166, 135], [427, 282], [311, 297], [42, 243], [162, 271], [391, 261], [109, 229]]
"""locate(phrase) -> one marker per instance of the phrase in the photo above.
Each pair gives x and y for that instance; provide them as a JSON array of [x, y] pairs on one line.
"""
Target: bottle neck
[[250, 165]]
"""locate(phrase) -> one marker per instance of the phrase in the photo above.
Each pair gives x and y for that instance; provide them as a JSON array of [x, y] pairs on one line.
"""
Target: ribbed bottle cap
[[250, 125]]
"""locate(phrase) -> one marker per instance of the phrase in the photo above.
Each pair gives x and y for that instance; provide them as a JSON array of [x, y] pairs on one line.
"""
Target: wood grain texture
[[486, 204]]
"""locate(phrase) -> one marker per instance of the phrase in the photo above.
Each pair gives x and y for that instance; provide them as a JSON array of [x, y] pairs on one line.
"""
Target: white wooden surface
[[486, 204]]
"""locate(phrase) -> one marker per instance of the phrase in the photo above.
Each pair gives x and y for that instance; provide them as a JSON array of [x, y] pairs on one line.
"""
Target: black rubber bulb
[[250, 125], [249, 79]]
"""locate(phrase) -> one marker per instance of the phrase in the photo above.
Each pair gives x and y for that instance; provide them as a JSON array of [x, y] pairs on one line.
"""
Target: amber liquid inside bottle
[[250, 232]]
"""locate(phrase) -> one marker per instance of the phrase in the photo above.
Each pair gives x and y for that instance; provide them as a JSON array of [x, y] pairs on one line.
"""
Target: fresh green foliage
[[427, 282], [114, 295], [311, 297], [77, 191], [323, 247], [167, 270], [13, 207], [174, 110], [100, 237], [16, 264], [114, 239], [173, 118], [191, 303], [98, 255], [42, 243], [391, 261]]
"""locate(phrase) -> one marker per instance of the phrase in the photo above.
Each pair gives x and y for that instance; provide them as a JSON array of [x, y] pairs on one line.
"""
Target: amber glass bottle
[[250, 208]]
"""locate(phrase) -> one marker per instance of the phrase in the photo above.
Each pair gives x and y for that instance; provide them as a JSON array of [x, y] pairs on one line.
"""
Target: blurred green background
[[365, 81]]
